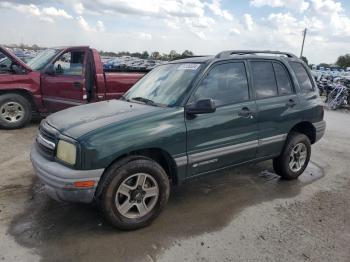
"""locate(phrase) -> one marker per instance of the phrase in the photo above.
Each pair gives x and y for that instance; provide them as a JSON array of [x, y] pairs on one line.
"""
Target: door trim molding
[[217, 152], [62, 101]]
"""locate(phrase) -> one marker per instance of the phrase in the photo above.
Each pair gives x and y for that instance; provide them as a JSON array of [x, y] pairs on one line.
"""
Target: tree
[[156, 55], [145, 55], [324, 65], [305, 60], [173, 55], [343, 61], [187, 53]]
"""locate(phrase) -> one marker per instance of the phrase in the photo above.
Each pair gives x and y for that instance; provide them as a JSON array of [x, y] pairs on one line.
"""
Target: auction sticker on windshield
[[188, 67]]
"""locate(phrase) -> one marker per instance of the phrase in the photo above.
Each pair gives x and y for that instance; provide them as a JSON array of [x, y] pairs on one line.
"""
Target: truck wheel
[[15, 111], [293, 160], [134, 194]]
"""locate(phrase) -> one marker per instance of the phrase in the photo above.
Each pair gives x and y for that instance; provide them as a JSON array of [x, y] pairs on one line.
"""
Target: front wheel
[[15, 111], [134, 194], [293, 160]]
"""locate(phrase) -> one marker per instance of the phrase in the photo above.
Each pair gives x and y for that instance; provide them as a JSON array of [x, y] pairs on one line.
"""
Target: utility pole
[[302, 46]]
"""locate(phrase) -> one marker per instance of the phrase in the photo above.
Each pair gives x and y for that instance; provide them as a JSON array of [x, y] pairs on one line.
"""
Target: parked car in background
[[182, 120], [55, 79]]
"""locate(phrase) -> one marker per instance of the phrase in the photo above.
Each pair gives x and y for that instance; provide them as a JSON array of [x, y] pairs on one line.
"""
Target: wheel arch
[[306, 128], [23, 92], [162, 157]]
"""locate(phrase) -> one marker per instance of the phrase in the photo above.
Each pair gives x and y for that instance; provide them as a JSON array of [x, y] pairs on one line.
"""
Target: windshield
[[42, 59], [164, 85]]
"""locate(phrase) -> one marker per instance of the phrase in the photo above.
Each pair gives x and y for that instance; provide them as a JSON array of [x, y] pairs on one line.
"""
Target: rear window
[[283, 80], [264, 79], [302, 76]]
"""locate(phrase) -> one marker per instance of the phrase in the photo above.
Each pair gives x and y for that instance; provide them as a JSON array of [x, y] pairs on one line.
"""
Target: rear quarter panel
[[311, 105]]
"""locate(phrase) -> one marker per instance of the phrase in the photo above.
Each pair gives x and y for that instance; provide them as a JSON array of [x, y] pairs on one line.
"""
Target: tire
[[125, 176], [15, 111], [291, 167]]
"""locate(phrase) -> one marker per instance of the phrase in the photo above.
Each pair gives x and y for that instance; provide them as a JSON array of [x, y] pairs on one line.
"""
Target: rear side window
[[302, 76], [264, 79], [225, 84], [283, 81]]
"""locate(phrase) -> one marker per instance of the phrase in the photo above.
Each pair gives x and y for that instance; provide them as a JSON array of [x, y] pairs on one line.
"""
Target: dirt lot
[[241, 214]]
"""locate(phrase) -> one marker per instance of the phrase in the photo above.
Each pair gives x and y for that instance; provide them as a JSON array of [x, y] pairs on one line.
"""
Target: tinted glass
[[264, 79], [42, 59], [70, 63], [5, 64], [302, 76], [225, 84], [165, 84], [283, 80]]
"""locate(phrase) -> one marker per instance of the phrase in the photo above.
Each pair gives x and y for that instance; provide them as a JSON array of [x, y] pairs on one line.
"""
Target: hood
[[78, 121], [14, 58]]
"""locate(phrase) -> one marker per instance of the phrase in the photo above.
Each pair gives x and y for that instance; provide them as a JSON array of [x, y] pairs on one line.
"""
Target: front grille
[[46, 140]]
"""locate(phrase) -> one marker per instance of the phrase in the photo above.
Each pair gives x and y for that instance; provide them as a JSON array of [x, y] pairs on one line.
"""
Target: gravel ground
[[241, 214]]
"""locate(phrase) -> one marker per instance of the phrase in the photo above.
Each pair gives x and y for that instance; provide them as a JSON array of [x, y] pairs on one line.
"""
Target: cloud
[[234, 31], [215, 7], [248, 22], [85, 25], [78, 8], [299, 5], [144, 36], [46, 14], [52, 11], [326, 7], [100, 26]]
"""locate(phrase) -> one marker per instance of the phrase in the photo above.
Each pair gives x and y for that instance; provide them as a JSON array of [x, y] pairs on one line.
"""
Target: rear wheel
[[134, 194], [294, 157], [15, 111]]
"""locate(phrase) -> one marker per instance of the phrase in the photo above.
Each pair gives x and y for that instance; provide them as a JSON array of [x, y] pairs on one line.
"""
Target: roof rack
[[228, 53]]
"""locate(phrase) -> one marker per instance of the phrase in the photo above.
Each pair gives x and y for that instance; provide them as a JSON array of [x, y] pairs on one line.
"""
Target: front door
[[229, 135], [64, 86]]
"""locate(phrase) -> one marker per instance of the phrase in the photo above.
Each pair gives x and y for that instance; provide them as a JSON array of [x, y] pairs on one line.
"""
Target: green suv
[[184, 119]]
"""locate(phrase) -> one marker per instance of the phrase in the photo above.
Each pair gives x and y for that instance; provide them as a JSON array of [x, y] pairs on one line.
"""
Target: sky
[[205, 27]]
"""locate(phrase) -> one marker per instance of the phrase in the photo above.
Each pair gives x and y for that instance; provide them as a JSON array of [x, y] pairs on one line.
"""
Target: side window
[[264, 79], [70, 64], [5, 63], [225, 84], [303, 77], [283, 81]]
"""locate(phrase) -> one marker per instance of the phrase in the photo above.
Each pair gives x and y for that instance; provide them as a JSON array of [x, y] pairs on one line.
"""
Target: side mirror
[[50, 70], [203, 106]]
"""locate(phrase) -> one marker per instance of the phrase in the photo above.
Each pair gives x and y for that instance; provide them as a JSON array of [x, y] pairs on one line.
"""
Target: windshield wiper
[[145, 100]]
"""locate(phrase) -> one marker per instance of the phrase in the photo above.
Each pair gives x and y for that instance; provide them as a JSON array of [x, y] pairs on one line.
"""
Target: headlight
[[67, 152]]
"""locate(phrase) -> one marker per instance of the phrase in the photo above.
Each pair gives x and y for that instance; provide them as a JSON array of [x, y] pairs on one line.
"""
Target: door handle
[[291, 103], [245, 112], [76, 84]]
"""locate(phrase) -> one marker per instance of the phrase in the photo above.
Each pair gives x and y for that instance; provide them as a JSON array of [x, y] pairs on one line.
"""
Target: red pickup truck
[[56, 79]]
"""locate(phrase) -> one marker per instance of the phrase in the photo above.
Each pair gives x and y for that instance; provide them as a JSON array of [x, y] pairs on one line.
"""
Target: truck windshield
[[164, 85], [42, 59]]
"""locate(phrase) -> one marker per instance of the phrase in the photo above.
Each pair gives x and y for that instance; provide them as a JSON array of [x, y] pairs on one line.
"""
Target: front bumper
[[59, 180], [320, 128]]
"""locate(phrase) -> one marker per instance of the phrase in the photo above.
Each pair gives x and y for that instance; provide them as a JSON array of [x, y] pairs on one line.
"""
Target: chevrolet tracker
[[184, 119]]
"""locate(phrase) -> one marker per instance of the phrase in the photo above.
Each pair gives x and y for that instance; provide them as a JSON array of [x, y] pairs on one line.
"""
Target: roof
[[237, 54], [194, 59]]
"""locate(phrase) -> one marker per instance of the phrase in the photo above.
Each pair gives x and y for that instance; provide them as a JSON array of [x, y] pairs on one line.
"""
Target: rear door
[[65, 86], [277, 102], [229, 135]]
